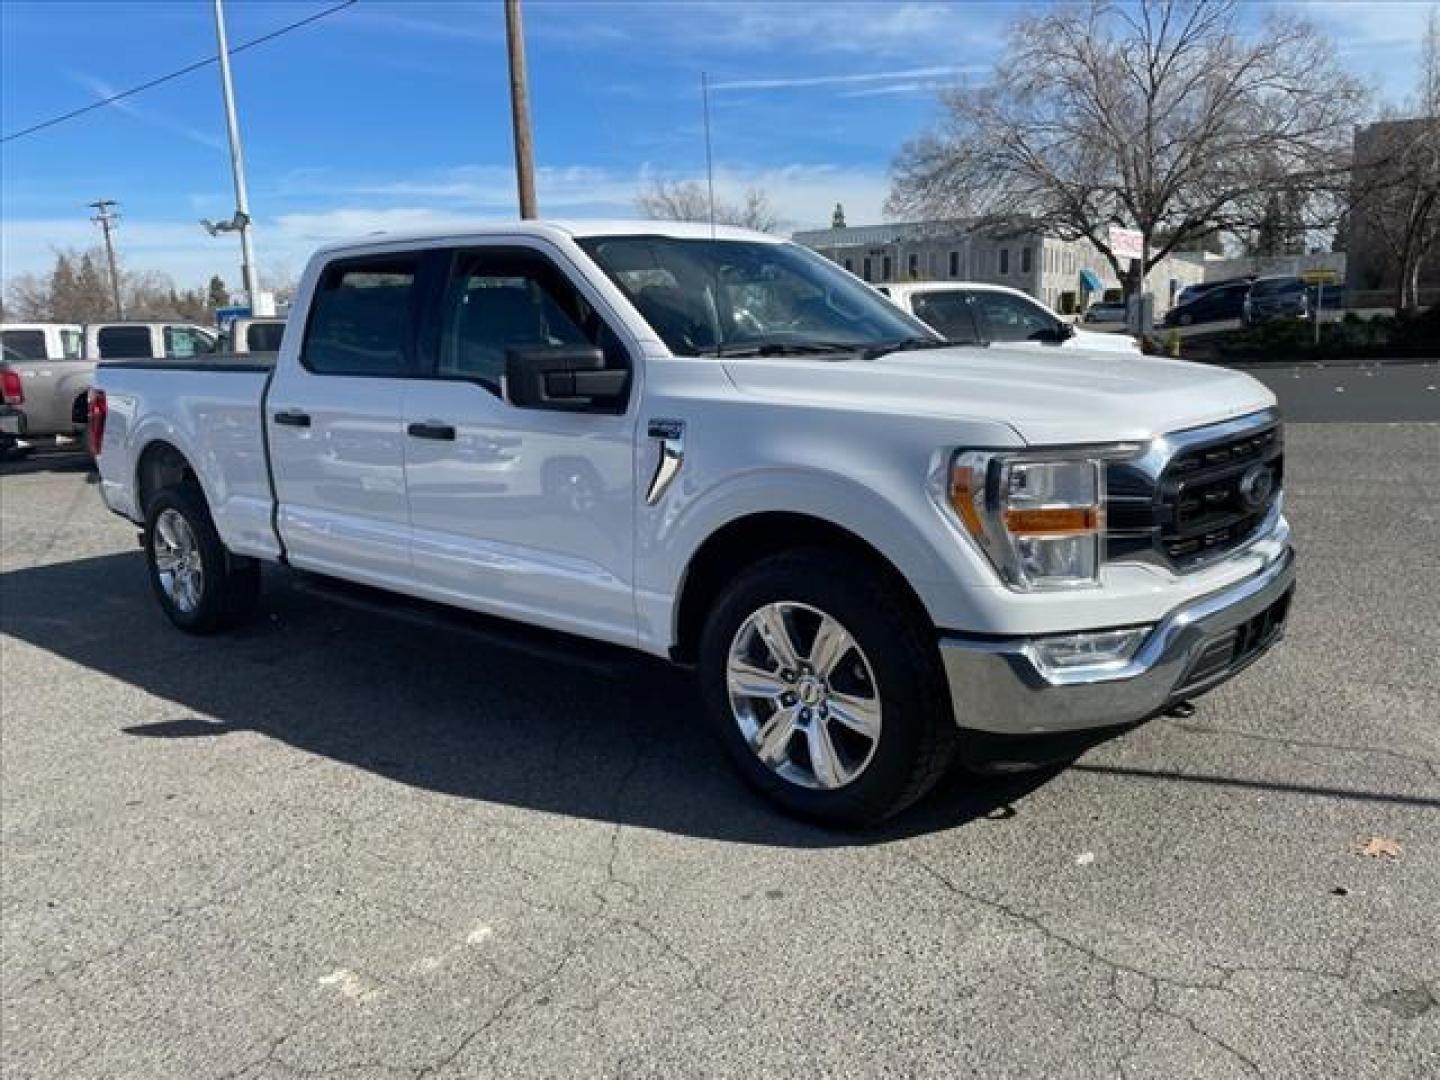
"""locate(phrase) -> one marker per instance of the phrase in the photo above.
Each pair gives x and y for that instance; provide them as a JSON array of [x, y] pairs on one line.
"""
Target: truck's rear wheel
[[827, 693], [201, 586]]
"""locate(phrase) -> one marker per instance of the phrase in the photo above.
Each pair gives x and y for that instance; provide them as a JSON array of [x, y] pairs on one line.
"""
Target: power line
[[175, 74]]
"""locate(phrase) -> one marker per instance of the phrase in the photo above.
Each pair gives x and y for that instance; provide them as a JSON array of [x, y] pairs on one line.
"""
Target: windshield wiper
[[785, 348], [872, 352]]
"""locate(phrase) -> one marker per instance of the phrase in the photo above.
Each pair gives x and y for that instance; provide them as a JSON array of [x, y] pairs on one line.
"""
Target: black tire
[[231, 583], [917, 733]]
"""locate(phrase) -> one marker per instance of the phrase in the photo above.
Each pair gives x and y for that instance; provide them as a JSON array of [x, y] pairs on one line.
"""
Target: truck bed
[[209, 409]]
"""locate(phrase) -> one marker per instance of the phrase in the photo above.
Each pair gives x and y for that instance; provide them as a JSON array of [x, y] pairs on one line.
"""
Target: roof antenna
[[709, 164]]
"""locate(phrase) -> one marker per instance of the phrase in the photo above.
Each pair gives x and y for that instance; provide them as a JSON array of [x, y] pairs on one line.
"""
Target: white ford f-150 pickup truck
[[881, 552]]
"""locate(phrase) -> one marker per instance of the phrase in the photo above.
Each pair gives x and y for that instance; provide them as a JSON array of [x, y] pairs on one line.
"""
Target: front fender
[[900, 522]]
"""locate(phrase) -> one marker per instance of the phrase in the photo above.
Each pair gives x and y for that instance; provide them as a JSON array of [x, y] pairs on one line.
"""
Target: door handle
[[292, 418], [432, 429]]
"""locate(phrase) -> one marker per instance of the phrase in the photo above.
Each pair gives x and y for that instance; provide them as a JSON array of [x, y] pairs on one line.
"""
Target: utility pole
[[519, 109], [248, 269], [106, 217]]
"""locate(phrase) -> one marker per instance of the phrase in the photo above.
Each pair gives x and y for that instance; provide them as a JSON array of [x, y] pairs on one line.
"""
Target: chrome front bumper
[[997, 686]]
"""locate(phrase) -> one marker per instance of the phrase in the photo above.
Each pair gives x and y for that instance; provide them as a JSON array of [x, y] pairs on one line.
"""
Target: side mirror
[[563, 377]]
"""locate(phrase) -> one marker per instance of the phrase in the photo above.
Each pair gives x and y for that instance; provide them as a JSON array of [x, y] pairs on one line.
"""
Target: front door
[[335, 424], [1013, 320], [520, 512]]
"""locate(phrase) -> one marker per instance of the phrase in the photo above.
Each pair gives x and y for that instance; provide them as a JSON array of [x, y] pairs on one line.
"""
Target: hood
[[1064, 396], [1097, 341]]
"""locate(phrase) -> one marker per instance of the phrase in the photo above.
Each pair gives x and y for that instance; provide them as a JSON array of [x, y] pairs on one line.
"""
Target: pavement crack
[[1049, 932]]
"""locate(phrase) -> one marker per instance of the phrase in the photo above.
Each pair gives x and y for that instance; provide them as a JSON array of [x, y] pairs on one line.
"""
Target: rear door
[[335, 423], [524, 512]]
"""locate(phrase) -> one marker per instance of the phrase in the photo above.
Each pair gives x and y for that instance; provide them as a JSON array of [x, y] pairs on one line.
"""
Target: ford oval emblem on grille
[[1256, 486]]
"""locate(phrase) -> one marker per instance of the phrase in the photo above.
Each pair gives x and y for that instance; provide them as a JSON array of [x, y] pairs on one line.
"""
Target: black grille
[[1210, 498], [1235, 648]]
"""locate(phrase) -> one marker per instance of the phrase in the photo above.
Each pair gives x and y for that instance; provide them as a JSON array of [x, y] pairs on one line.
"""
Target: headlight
[[1039, 518]]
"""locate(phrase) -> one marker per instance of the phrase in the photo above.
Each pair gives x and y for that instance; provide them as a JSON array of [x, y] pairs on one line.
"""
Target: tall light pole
[[237, 164], [519, 109], [106, 217]]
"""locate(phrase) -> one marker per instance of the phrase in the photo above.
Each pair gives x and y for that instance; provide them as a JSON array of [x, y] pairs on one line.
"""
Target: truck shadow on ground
[[470, 707], [51, 460]]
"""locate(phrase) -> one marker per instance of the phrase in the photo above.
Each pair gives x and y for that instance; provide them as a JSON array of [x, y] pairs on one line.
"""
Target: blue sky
[[394, 114]]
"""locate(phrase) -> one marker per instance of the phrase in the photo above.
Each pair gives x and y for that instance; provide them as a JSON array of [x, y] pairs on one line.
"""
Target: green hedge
[[1291, 340]]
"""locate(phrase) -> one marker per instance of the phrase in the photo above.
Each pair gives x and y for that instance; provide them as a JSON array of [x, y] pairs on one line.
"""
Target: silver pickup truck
[[47, 368]]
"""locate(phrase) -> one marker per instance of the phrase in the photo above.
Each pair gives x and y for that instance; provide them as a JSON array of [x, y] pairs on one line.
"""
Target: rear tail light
[[11, 389], [96, 411]]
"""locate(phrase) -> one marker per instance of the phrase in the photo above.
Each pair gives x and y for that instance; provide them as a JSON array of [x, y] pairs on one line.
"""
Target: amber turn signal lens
[[1057, 521], [963, 492]]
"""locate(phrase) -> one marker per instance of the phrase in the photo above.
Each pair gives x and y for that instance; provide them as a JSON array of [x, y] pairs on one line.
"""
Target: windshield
[[739, 297]]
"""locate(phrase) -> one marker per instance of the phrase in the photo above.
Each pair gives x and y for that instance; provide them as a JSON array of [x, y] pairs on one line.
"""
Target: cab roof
[[554, 230]]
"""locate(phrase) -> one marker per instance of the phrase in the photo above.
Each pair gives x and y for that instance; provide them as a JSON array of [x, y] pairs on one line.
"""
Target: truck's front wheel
[[201, 586], [826, 691]]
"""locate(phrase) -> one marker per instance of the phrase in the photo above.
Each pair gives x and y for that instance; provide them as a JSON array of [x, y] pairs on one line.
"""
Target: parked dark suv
[[1276, 298], [1213, 305]]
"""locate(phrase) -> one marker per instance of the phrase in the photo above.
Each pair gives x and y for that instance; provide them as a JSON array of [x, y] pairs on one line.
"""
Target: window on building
[[912, 265], [1025, 260], [866, 269], [1004, 260], [887, 268], [360, 318], [850, 265], [954, 264]]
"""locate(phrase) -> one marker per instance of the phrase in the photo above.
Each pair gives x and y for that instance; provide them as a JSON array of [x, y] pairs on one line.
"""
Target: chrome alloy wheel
[[177, 561], [804, 695]]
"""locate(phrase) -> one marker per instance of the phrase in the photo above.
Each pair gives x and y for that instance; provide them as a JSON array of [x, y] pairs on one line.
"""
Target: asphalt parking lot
[[341, 843]]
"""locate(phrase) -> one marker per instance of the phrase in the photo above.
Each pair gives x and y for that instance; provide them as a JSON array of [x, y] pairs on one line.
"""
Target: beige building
[[1056, 272]]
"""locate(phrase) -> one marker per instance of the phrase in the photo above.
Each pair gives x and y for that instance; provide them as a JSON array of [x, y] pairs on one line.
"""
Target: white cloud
[[842, 80], [101, 89], [803, 196]]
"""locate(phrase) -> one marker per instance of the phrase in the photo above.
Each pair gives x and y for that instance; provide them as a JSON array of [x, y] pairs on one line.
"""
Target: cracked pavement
[[342, 843]]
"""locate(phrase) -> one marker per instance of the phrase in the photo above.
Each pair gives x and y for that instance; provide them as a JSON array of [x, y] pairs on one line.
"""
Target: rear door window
[[949, 312], [71, 342], [264, 337], [124, 342], [28, 343], [362, 318]]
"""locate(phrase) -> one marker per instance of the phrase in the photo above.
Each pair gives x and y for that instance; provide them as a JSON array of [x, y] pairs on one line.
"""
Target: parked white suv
[[967, 312], [880, 551]]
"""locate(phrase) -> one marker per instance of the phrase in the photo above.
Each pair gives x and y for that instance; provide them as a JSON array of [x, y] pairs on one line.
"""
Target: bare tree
[[77, 289], [689, 200], [1159, 116], [1397, 179]]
